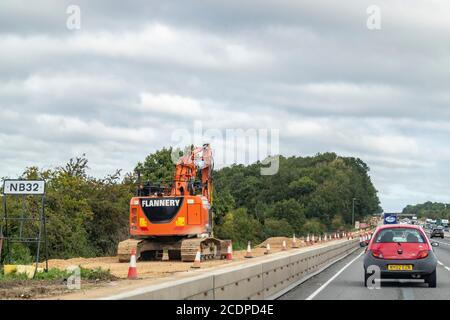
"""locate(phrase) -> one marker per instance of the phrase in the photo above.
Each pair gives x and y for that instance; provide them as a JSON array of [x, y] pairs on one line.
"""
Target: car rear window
[[403, 235]]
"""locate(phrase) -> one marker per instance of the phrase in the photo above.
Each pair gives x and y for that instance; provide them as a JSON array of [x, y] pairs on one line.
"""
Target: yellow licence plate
[[400, 267]]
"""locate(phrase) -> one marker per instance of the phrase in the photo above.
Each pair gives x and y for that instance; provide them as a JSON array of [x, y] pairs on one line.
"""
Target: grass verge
[[97, 274]]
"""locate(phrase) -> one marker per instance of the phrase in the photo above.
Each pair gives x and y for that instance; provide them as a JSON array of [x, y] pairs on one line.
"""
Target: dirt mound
[[87, 263], [277, 242]]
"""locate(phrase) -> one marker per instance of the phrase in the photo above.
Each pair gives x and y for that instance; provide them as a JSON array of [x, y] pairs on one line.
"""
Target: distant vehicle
[[437, 232], [446, 229], [401, 251]]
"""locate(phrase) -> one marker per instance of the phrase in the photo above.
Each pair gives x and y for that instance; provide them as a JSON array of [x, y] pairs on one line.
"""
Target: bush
[[277, 228], [314, 226], [240, 227], [20, 254], [97, 274]]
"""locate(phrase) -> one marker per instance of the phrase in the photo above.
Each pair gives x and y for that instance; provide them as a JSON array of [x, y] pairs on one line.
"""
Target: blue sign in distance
[[390, 218]]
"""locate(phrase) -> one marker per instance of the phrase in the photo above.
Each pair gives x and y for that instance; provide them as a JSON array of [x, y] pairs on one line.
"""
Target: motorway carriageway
[[344, 281]]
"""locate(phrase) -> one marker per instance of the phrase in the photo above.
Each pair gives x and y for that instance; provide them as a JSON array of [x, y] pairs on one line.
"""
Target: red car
[[401, 251]]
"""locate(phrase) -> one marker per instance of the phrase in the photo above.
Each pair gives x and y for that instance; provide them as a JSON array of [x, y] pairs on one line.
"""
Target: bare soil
[[37, 289]]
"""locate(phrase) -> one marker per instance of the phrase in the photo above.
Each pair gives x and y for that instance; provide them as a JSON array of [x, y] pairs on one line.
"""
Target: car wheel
[[366, 277], [431, 279]]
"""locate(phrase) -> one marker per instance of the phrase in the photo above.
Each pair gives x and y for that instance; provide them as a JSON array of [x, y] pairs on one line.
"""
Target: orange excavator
[[176, 221]]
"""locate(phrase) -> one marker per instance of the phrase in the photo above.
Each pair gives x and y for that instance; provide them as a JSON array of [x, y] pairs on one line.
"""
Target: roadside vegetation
[[431, 210], [97, 274], [88, 217]]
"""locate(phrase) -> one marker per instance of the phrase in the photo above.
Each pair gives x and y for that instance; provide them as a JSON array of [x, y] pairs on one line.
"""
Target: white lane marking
[[407, 294], [315, 293], [445, 267]]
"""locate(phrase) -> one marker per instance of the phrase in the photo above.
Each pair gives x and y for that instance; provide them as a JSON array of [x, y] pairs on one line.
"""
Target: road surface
[[344, 281]]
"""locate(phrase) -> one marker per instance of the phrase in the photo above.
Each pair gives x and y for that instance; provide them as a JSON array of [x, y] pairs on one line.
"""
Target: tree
[[239, 226], [337, 223], [291, 211], [158, 167], [88, 216], [320, 187], [314, 226], [277, 228], [222, 204], [431, 210], [85, 216]]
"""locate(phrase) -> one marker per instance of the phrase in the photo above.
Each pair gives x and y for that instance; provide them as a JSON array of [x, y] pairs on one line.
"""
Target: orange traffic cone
[[303, 242], [267, 249], [132, 270], [249, 251], [284, 248], [230, 251], [294, 242], [197, 261]]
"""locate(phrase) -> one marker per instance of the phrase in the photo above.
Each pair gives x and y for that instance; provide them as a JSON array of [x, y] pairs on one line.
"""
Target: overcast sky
[[136, 70]]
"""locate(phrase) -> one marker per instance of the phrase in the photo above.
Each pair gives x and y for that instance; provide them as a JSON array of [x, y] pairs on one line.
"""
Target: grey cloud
[[309, 68]]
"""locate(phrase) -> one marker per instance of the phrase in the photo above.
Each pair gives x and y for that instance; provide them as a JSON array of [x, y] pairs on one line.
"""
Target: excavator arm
[[200, 158]]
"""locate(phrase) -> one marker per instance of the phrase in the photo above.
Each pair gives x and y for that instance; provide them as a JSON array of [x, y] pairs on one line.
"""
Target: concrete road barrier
[[262, 279]]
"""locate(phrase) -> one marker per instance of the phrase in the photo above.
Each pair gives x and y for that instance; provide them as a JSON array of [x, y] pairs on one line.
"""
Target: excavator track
[[125, 247], [210, 248], [184, 250]]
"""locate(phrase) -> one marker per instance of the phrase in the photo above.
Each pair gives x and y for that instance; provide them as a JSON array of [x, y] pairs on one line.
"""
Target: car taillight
[[134, 216], [422, 254], [377, 254]]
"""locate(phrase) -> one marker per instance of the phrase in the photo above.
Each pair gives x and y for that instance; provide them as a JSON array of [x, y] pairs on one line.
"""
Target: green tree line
[[431, 210], [307, 195], [88, 216]]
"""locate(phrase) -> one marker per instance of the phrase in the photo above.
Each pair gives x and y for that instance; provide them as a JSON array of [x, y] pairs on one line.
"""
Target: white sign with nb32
[[17, 187]]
